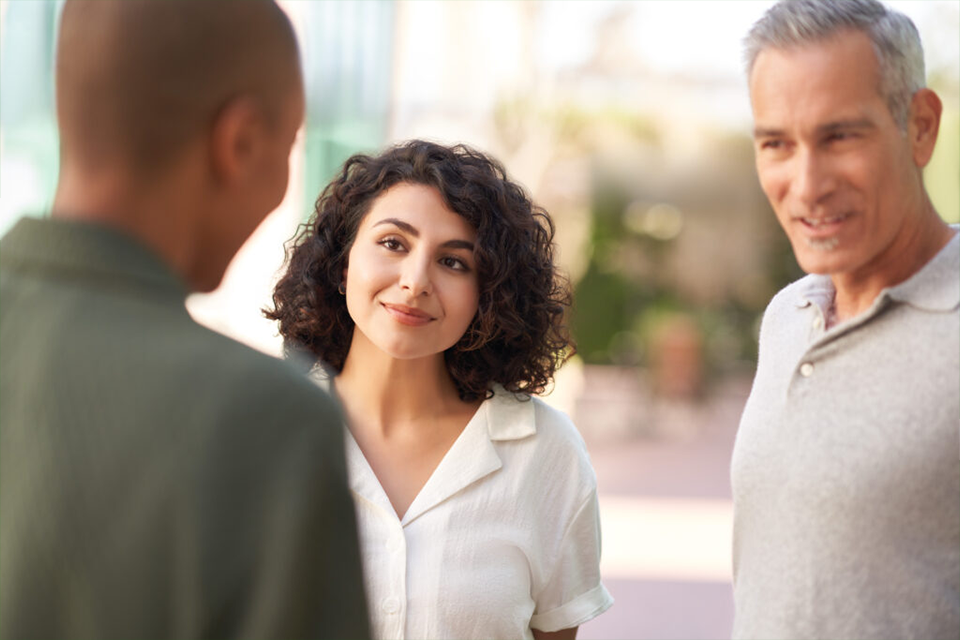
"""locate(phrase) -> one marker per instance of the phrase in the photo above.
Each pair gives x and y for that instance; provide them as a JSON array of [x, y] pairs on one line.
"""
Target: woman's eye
[[391, 244], [454, 263]]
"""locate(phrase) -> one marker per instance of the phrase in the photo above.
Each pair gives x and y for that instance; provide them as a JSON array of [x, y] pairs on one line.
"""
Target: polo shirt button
[[806, 369], [390, 605], [817, 322]]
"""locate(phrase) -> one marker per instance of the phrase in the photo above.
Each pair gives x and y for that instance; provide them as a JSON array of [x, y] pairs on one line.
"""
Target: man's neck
[[856, 292], [150, 212]]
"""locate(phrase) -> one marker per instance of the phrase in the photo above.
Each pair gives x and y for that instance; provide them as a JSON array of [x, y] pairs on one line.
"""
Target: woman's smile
[[407, 315], [411, 278]]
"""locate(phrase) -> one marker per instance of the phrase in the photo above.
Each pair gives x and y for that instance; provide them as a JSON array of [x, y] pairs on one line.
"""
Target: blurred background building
[[630, 123]]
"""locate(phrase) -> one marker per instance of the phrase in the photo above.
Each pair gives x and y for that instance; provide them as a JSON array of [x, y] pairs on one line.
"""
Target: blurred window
[[28, 132], [347, 52]]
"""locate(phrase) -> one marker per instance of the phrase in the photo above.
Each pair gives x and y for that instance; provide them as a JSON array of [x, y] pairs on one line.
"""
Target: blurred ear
[[235, 140], [924, 124]]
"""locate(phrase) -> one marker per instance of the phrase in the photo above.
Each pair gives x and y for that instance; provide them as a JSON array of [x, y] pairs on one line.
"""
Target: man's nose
[[813, 178]]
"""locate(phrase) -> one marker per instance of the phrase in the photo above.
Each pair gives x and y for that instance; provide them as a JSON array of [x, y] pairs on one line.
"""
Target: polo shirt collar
[[815, 289], [935, 287]]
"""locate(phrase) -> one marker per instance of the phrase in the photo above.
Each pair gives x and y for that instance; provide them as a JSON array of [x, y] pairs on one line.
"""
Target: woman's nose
[[415, 276]]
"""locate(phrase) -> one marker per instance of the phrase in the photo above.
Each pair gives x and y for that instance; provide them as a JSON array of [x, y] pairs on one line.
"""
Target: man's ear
[[234, 139], [924, 124]]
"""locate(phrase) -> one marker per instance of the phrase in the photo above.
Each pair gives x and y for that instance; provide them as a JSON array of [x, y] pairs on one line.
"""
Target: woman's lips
[[407, 315]]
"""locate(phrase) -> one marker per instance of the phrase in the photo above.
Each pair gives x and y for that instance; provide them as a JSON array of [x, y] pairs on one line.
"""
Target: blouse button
[[390, 605], [806, 369], [817, 322]]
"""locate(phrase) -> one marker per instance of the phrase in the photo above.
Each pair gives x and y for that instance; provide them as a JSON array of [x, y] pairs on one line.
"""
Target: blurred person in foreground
[[846, 468], [426, 283], [159, 480]]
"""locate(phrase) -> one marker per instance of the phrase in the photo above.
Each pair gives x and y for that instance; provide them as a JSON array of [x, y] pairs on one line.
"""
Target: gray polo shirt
[[846, 468]]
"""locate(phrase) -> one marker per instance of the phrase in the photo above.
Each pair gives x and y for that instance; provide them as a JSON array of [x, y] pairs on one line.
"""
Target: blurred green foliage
[[618, 313]]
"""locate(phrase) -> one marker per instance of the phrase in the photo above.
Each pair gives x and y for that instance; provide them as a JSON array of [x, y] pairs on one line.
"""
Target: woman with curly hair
[[425, 285]]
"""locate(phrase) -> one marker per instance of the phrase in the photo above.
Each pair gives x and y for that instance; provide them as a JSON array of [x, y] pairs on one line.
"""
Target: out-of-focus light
[[662, 221], [687, 539]]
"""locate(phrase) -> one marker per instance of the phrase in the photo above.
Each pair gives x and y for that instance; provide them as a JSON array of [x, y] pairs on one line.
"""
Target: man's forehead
[[832, 81], [820, 56]]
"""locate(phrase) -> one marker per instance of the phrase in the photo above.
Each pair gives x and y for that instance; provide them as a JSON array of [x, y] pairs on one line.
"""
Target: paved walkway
[[666, 516]]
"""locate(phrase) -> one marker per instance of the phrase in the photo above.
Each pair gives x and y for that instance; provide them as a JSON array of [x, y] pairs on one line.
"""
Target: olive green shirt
[[157, 480]]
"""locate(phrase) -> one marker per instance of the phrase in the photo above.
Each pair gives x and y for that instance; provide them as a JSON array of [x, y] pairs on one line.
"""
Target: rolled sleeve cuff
[[574, 613]]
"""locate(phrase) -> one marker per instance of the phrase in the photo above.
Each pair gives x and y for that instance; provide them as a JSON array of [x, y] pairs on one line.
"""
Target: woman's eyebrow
[[406, 226], [412, 230], [458, 244]]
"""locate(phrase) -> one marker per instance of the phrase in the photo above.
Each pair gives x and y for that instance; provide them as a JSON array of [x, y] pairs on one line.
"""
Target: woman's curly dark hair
[[517, 337]]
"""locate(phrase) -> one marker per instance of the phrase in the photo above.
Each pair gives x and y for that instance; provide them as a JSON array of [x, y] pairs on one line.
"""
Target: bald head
[[137, 80]]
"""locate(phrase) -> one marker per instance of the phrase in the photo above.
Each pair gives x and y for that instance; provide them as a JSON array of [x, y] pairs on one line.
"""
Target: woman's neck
[[404, 415], [386, 393]]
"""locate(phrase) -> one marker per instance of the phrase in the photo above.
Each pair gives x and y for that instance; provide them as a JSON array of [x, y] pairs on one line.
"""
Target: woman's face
[[411, 279]]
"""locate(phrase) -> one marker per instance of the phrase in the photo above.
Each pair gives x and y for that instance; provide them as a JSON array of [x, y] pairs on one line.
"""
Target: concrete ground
[[666, 515]]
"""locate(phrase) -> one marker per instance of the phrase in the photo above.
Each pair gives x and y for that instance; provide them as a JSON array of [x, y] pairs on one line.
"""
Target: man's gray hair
[[896, 41]]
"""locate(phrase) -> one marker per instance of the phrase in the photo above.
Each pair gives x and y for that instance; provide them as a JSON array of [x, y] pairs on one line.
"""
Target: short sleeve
[[574, 594]]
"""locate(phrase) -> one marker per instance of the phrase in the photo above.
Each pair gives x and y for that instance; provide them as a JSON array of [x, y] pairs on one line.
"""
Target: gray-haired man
[[846, 470]]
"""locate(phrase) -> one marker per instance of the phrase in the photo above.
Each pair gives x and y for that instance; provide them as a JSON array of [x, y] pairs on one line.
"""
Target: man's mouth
[[824, 222]]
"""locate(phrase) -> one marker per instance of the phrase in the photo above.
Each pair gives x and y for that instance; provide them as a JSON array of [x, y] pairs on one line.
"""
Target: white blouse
[[503, 537]]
